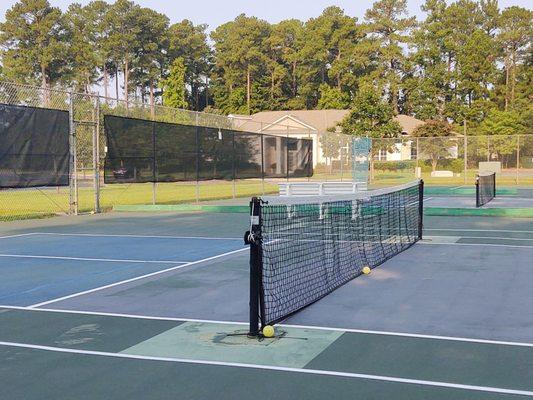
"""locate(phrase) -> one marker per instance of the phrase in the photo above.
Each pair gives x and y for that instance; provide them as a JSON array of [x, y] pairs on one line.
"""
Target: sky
[[217, 12]]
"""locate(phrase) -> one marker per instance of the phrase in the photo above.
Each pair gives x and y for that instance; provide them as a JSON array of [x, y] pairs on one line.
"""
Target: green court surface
[[76, 355]]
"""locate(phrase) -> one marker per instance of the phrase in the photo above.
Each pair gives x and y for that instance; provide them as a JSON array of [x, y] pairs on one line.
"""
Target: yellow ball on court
[[268, 331], [366, 270]]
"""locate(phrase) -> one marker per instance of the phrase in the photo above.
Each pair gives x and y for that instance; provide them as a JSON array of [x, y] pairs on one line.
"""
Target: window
[[413, 151]]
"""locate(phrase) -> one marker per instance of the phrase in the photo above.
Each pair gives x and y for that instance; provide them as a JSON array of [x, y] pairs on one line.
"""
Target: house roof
[[306, 121], [408, 123]]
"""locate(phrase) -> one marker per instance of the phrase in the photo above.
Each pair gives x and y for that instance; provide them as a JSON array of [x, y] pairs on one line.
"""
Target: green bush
[[395, 165], [455, 165]]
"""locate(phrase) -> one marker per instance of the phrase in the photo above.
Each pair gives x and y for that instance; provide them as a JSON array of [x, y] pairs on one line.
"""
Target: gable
[[287, 123]]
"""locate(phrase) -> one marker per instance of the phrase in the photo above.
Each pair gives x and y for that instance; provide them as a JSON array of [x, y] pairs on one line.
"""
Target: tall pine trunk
[[152, 105], [513, 77], [44, 85], [126, 80], [106, 82], [272, 84], [339, 74], [248, 88], [116, 81], [294, 79]]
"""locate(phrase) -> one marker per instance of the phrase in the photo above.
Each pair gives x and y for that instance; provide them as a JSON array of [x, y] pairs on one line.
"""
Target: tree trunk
[[248, 88], [106, 82], [513, 77], [506, 83], [206, 91], [272, 83], [116, 82], [152, 105], [294, 79], [44, 85], [196, 90], [434, 164], [126, 80], [339, 74]]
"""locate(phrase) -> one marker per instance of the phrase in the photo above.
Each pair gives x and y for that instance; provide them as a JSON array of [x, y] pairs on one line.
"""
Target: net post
[[420, 208], [253, 238]]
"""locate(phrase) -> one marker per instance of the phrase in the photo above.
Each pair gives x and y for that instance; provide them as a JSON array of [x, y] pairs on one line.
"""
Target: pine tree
[[33, 37], [174, 94]]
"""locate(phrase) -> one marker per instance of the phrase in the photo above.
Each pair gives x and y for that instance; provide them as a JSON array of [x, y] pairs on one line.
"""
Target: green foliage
[[34, 38], [466, 59], [174, 86], [456, 165], [407, 165], [332, 98], [502, 123], [189, 42], [389, 24], [240, 60], [436, 141], [371, 116]]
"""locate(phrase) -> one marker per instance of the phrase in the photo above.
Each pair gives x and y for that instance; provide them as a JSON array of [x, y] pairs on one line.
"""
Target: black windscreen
[[130, 150], [148, 151], [215, 153], [34, 147], [175, 154]]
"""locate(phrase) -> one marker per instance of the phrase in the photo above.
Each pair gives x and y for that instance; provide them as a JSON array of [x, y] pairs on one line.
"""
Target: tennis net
[[303, 248], [485, 188]]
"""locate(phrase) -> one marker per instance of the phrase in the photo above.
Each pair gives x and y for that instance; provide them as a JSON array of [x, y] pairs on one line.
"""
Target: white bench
[[442, 174], [320, 188]]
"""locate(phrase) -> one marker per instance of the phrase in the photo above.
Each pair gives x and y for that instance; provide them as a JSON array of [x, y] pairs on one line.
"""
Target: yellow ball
[[366, 270], [268, 331]]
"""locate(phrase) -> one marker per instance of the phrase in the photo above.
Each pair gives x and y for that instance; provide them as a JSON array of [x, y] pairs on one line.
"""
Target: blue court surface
[[156, 306], [38, 267]]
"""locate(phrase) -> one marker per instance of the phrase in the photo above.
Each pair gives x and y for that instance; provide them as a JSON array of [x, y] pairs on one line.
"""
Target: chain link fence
[[439, 161]]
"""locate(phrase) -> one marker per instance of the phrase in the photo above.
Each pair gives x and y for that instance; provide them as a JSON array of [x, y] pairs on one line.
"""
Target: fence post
[[287, 150], [73, 192], [262, 162], [197, 187], [341, 160], [154, 167], [465, 152], [233, 166], [96, 157], [517, 157], [312, 153]]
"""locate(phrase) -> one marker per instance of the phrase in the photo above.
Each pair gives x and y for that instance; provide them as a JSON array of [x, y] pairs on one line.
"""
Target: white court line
[[483, 237], [19, 235], [320, 328], [274, 368], [93, 259], [475, 244], [475, 230], [136, 236], [136, 278]]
